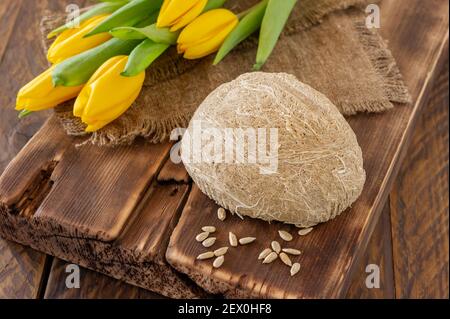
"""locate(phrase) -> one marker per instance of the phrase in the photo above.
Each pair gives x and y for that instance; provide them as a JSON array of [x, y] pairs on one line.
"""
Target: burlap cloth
[[325, 44]]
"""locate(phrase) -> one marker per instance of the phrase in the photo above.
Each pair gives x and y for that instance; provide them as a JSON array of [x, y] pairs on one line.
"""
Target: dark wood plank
[[40, 162], [246, 277], [21, 57], [172, 172], [136, 252], [378, 252], [93, 285], [109, 182], [420, 204], [21, 271], [32, 164], [418, 42], [148, 235]]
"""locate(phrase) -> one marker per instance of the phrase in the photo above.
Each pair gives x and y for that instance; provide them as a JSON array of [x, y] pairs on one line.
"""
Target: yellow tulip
[[40, 94], [107, 94], [72, 42], [179, 13], [206, 33]]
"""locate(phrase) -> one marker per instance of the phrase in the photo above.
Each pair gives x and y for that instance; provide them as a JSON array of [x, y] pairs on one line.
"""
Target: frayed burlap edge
[[384, 63], [155, 132], [385, 66], [319, 11]]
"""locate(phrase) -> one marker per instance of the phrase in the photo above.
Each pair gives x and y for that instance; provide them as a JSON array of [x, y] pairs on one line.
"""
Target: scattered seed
[[276, 246], [295, 268], [292, 251], [220, 251], [221, 214], [202, 236], [270, 257], [218, 261], [285, 258], [209, 242], [206, 255], [285, 235], [209, 229], [305, 231], [246, 240], [264, 253], [233, 239]]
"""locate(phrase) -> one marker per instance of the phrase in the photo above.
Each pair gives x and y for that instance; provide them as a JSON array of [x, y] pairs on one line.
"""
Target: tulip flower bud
[[108, 94], [72, 41], [179, 13], [206, 33], [40, 94]]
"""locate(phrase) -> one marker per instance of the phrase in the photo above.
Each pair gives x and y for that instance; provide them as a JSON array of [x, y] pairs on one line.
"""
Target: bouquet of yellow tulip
[[101, 57]]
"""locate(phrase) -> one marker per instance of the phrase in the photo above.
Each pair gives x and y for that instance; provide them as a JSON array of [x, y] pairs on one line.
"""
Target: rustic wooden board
[[335, 248], [117, 221], [22, 270], [419, 204], [92, 285], [378, 252], [172, 172], [8, 15], [121, 238]]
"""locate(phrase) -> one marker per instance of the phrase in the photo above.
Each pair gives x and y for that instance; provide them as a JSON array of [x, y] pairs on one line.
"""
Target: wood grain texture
[[116, 222], [246, 277], [93, 285], [418, 40], [21, 271], [21, 268], [419, 204], [22, 61], [378, 252], [100, 177], [173, 173], [9, 11], [109, 184]]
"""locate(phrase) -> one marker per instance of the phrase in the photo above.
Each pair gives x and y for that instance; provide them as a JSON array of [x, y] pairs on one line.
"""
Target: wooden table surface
[[413, 256]]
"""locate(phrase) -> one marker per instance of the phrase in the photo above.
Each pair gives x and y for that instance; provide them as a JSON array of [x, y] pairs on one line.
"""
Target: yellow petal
[[107, 66], [206, 26], [81, 101], [40, 94], [187, 18], [72, 42], [162, 12], [212, 45], [62, 37], [172, 10], [85, 93], [113, 114], [181, 48], [39, 87], [108, 94]]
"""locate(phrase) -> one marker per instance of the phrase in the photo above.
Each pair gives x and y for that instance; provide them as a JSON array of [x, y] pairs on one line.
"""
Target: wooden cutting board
[[132, 214]]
